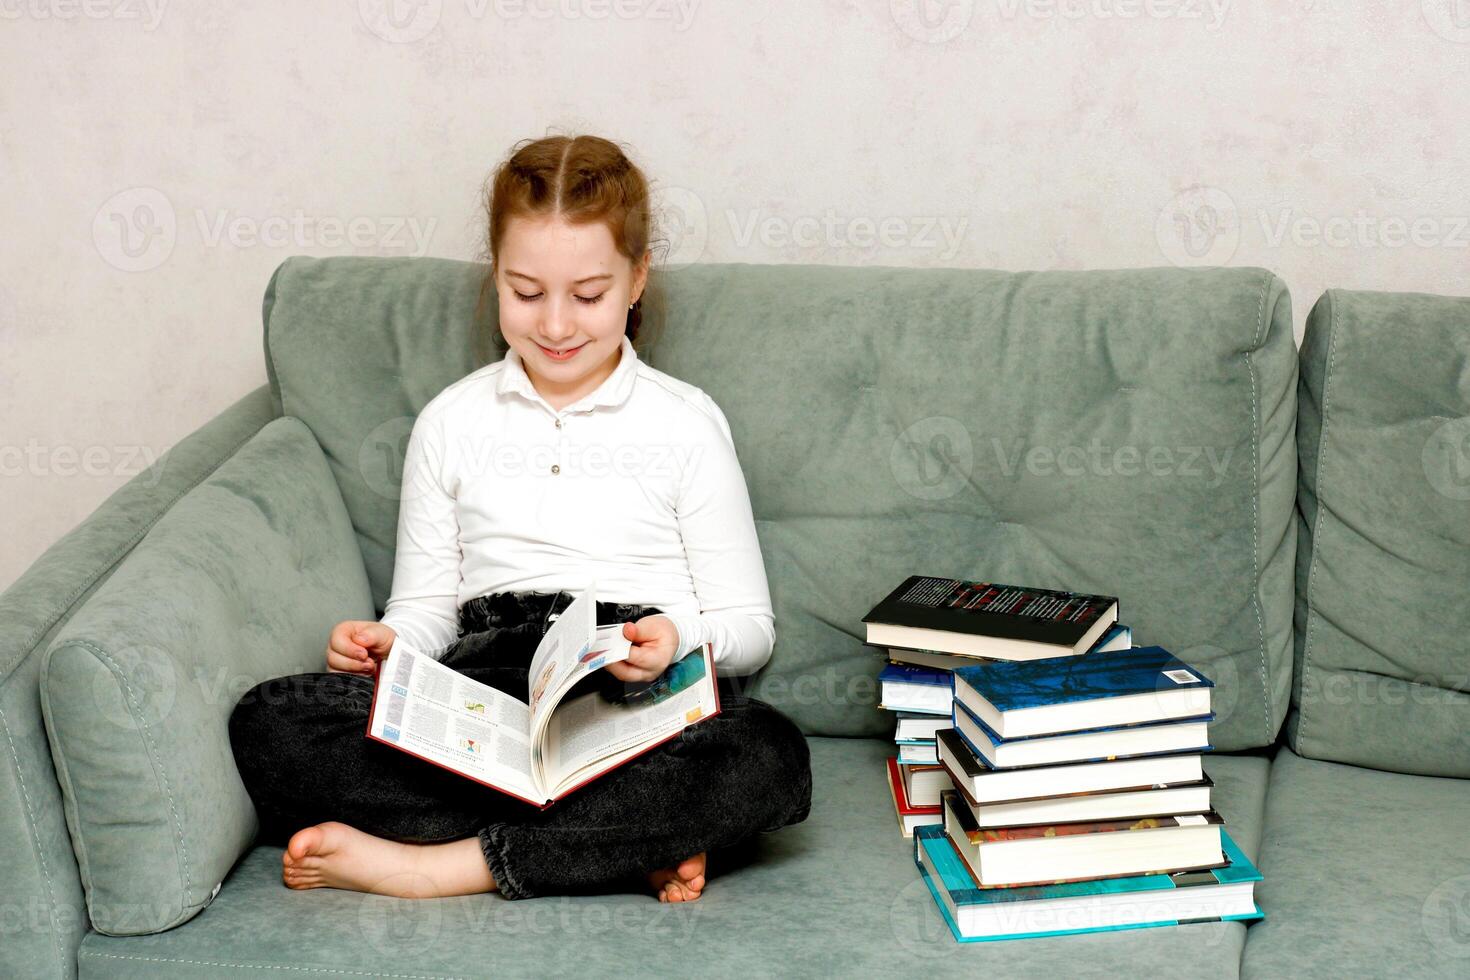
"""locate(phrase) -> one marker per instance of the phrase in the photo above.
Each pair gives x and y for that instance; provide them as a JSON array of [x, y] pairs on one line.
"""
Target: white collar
[[614, 389]]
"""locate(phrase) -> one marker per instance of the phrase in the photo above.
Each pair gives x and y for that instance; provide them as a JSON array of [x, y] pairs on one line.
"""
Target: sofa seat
[[1366, 872], [836, 894]]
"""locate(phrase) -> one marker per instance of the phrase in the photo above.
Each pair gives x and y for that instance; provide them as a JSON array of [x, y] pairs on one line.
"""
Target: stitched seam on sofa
[[1303, 716], [271, 966], [1256, 341], [28, 646], [278, 388], [62, 764], [25, 794], [268, 305], [181, 846]]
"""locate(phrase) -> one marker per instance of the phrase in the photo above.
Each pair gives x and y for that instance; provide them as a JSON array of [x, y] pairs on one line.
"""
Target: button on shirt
[[636, 486]]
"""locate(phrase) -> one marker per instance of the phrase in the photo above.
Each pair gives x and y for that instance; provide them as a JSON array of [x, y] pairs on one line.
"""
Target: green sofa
[[1297, 524]]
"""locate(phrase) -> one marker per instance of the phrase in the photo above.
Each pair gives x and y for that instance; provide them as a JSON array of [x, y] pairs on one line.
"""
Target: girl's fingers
[[623, 672]]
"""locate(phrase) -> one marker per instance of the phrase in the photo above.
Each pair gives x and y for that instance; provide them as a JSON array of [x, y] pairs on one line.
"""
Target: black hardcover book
[[991, 610]]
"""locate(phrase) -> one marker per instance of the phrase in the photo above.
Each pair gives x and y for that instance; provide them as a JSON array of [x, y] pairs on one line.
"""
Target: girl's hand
[[356, 646], [655, 641]]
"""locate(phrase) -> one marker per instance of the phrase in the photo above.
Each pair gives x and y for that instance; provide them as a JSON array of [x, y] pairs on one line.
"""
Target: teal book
[[975, 914]]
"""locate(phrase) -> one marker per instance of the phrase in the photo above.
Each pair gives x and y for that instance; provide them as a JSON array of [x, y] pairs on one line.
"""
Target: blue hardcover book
[[916, 689], [1096, 690], [976, 914], [904, 674], [972, 735], [1125, 742], [1133, 726]]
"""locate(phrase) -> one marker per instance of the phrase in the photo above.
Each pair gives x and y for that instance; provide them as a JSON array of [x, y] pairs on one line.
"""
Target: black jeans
[[301, 748]]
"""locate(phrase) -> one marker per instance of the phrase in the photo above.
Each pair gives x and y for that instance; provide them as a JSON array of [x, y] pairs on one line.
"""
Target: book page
[[573, 648], [608, 646], [589, 733], [435, 712], [559, 650]]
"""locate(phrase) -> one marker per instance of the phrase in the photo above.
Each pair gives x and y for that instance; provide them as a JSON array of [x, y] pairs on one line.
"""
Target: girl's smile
[[561, 354]]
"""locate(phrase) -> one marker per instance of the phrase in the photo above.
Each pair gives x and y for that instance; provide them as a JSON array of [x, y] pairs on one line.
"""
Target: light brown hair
[[581, 179]]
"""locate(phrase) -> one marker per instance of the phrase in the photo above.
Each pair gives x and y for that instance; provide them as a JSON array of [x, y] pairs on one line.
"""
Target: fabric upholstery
[[838, 893], [1366, 874], [42, 909], [1382, 655], [355, 347], [241, 580], [1122, 431]]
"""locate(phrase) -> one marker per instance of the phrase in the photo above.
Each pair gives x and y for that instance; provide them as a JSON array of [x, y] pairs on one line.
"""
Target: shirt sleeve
[[729, 573], [423, 608]]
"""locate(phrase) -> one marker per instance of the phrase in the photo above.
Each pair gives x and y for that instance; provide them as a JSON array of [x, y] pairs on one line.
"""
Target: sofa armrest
[[44, 898]]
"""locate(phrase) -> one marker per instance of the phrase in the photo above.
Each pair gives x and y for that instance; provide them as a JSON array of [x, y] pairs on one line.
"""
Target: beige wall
[[161, 158]]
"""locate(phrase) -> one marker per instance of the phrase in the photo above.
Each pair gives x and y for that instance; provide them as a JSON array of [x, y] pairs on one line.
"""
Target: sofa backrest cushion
[[1122, 431], [240, 581], [1383, 566], [355, 347]]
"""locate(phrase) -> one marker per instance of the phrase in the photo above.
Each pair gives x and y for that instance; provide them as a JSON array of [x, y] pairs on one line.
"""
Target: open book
[[577, 726]]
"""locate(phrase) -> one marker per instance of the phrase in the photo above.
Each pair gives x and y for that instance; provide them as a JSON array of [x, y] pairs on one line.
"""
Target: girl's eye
[[588, 300]]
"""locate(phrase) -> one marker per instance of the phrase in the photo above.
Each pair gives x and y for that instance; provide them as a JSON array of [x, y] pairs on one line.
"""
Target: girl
[[569, 459]]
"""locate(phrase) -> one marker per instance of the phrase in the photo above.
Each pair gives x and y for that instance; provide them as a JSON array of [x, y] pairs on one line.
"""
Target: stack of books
[[964, 623], [1077, 799]]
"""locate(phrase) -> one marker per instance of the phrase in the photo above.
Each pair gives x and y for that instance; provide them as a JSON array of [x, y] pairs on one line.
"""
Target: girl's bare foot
[[334, 855], [681, 883]]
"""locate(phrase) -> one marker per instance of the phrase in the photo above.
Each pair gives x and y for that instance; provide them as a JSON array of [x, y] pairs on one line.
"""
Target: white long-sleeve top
[[636, 485]]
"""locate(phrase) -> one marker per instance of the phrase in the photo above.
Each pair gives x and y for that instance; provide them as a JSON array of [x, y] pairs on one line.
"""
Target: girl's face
[[564, 296]]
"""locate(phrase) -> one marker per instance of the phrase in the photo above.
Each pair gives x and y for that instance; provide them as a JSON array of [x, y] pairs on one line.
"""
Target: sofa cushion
[[39, 868], [1366, 874], [1121, 431], [240, 581], [1383, 565], [838, 893]]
